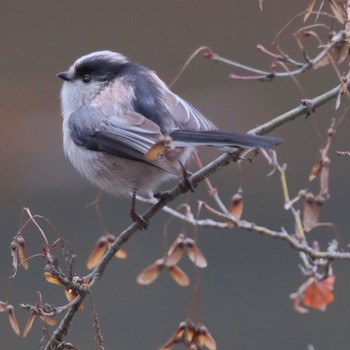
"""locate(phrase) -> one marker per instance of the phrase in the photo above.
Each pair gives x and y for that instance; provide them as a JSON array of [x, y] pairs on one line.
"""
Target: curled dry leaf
[[337, 54], [14, 257], [151, 272], [316, 169], [13, 320], [312, 207], [179, 276], [318, 294], [51, 278], [22, 252], [195, 254], [175, 251], [29, 324], [3, 306], [50, 320], [204, 338], [97, 253], [71, 295]]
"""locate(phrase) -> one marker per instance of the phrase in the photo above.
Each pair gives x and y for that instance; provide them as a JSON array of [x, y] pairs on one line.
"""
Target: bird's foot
[[187, 184], [136, 217]]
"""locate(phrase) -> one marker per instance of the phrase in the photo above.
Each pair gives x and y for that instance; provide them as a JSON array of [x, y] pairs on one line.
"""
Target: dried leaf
[[324, 177], [336, 54], [22, 252], [3, 306], [309, 9], [312, 207], [13, 320], [50, 320], [175, 251], [204, 338], [337, 11], [174, 338], [71, 295], [51, 278], [319, 293], [121, 254], [97, 254], [179, 276], [29, 324], [316, 169], [236, 208], [150, 273], [14, 246], [196, 255]]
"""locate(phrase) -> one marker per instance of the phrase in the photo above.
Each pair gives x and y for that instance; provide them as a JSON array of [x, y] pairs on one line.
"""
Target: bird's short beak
[[67, 76]]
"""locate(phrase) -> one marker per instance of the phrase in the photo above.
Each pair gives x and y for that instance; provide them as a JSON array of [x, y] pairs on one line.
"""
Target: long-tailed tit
[[115, 111]]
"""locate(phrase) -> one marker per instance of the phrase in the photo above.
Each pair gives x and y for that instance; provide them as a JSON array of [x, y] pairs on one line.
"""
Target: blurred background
[[245, 289]]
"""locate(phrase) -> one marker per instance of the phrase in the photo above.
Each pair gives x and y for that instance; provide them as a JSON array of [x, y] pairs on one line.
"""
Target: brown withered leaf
[[50, 320], [121, 254], [318, 294], [337, 54], [174, 338], [236, 207], [195, 254], [309, 9], [13, 320], [151, 272], [175, 251], [179, 276], [29, 324], [338, 11], [21, 248], [204, 338], [316, 169], [3, 306], [97, 253], [312, 207], [51, 278], [14, 257], [71, 295]]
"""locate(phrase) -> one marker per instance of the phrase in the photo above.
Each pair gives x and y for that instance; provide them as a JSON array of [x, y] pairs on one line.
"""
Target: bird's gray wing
[[185, 114], [131, 137]]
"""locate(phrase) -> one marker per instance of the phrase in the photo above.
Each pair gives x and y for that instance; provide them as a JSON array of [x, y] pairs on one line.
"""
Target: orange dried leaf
[[29, 324], [319, 293], [174, 338], [179, 276], [121, 254], [71, 295], [236, 208], [205, 339], [150, 273], [13, 320], [316, 169], [50, 320], [51, 278], [196, 256], [97, 254]]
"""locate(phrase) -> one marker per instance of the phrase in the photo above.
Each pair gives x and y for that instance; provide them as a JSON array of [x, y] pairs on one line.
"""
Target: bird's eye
[[86, 78]]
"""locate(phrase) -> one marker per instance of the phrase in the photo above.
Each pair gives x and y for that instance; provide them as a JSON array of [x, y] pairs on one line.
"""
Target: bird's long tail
[[222, 139]]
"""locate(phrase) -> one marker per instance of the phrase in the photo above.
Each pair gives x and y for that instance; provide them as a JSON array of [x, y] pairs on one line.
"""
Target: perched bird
[[115, 115]]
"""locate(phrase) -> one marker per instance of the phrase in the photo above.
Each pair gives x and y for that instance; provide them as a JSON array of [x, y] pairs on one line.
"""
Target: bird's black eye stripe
[[86, 78]]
